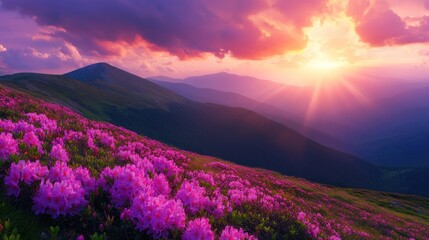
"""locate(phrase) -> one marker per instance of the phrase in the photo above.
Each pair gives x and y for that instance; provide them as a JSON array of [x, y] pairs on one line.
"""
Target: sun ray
[[312, 105]]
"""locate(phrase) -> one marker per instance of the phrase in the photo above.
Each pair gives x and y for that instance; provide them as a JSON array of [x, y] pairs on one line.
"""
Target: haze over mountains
[[101, 91], [208, 95], [379, 119]]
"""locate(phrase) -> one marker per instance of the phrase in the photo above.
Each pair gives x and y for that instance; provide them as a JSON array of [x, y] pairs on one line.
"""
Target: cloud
[[3, 48], [378, 25], [31, 59], [246, 29]]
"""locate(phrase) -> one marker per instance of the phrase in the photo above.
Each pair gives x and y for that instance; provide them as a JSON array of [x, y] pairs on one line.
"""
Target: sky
[[281, 40]]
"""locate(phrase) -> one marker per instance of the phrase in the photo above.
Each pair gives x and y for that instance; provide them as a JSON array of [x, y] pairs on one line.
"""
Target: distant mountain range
[[103, 92], [382, 120], [208, 95]]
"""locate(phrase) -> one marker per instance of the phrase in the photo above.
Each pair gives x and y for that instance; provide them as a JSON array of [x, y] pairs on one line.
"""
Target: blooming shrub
[[230, 233], [60, 171], [163, 165], [129, 182], [25, 171], [83, 175], [48, 125], [192, 196], [157, 214], [60, 198], [7, 126], [198, 229], [59, 153], [31, 140], [8, 146]]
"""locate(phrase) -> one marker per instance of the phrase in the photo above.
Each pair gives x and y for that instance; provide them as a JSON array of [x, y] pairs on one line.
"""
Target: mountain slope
[[234, 134], [406, 134], [82, 179], [376, 118], [208, 95]]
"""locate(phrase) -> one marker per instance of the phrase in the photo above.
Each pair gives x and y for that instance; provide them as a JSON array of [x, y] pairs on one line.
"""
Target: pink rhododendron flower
[[230, 233], [73, 136], [7, 125], [25, 171], [91, 144], [104, 138], [8, 146], [217, 204], [59, 153], [243, 195], [160, 185], [83, 175], [60, 171], [128, 184], [124, 155], [125, 214], [301, 216], [59, 198], [192, 196], [31, 140], [22, 126], [108, 176], [12, 180], [198, 229], [202, 176], [163, 165], [157, 215], [45, 123], [143, 164]]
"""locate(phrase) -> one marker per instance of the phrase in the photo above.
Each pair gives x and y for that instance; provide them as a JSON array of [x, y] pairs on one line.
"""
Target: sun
[[325, 64], [324, 71]]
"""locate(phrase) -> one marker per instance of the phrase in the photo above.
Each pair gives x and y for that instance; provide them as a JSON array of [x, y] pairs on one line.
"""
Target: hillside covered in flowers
[[66, 177]]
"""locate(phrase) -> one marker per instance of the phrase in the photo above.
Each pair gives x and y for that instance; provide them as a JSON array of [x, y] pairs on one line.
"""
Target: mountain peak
[[105, 76], [100, 65], [97, 71]]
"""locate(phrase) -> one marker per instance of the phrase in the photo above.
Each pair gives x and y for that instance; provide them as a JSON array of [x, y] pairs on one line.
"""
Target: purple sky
[[186, 37]]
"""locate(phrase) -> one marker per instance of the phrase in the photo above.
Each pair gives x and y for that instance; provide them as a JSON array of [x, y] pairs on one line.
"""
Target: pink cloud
[[378, 25], [185, 28]]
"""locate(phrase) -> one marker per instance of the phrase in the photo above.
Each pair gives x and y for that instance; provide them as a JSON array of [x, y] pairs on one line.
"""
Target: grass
[[403, 205], [28, 225]]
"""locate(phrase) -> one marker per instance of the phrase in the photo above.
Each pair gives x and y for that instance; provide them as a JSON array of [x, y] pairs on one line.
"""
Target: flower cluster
[[25, 171], [237, 234], [8, 146], [32, 140], [103, 137], [46, 124], [59, 153], [199, 229], [192, 196], [158, 215], [66, 197]]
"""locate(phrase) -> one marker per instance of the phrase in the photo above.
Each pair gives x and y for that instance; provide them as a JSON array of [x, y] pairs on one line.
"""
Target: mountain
[[407, 131], [378, 119], [208, 95], [67, 177], [233, 134], [251, 87]]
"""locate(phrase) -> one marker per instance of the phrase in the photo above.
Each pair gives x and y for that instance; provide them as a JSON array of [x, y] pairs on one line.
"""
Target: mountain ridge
[[239, 135]]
